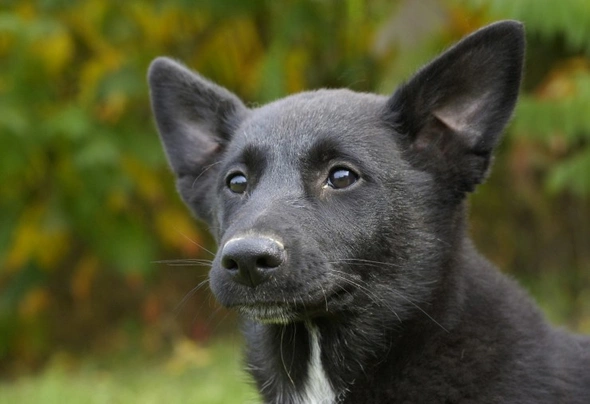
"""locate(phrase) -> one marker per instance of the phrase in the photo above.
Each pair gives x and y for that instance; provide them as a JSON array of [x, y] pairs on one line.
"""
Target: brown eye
[[237, 183], [341, 177]]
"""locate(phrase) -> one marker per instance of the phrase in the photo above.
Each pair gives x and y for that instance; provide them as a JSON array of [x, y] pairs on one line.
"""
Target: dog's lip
[[268, 313], [281, 312]]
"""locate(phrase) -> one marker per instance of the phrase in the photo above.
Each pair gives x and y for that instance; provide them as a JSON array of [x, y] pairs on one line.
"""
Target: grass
[[192, 374]]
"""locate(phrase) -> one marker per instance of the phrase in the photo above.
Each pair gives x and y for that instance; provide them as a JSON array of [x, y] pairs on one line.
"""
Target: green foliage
[[85, 182], [548, 19], [559, 112]]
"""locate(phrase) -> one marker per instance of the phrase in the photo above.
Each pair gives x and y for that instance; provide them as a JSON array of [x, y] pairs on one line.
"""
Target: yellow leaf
[[176, 230], [242, 48], [35, 240], [113, 107], [148, 185], [95, 70], [160, 25], [34, 303], [55, 51], [53, 244], [296, 63], [86, 21], [560, 82], [26, 10], [25, 239], [117, 201]]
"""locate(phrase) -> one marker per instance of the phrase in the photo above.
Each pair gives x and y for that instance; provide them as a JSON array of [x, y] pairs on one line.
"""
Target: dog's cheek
[[349, 225], [199, 196]]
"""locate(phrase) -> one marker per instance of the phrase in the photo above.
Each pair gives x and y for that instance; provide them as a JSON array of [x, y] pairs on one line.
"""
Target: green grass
[[191, 375]]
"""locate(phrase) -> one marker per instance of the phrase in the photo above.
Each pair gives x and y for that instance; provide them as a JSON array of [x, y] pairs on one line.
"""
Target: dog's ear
[[451, 113], [196, 119]]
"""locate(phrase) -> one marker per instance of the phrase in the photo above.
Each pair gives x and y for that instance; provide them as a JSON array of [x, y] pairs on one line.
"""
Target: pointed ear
[[451, 113], [195, 117]]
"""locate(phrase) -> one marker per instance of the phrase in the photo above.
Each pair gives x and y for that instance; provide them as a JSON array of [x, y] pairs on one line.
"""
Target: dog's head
[[332, 201]]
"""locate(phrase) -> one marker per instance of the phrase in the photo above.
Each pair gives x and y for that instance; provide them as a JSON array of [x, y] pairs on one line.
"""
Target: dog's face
[[331, 201], [306, 183]]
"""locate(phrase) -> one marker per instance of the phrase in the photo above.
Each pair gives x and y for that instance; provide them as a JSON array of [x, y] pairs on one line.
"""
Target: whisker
[[364, 261], [214, 314], [207, 168], [419, 308], [185, 262], [283, 358], [325, 297], [293, 345], [194, 242], [188, 295], [383, 302], [370, 294]]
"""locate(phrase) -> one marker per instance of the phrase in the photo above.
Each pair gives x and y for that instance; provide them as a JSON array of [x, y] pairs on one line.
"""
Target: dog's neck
[[317, 387], [328, 360], [321, 362], [288, 363]]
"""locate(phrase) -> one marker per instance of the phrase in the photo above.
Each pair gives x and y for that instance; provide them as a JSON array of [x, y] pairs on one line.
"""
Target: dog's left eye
[[341, 177]]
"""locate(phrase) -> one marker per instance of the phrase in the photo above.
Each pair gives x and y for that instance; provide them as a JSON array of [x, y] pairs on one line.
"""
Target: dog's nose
[[250, 260]]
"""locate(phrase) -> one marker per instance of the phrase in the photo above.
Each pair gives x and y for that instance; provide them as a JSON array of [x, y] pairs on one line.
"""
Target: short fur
[[376, 293]]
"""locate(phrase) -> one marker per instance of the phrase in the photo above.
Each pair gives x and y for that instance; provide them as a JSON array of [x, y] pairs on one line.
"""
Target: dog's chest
[[317, 388]]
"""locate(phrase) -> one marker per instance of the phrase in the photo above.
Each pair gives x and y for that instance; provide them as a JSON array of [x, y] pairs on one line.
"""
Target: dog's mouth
[[285, 313], [269, 313]]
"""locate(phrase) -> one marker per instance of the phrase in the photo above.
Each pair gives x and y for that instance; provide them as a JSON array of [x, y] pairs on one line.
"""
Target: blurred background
[[89, 313]]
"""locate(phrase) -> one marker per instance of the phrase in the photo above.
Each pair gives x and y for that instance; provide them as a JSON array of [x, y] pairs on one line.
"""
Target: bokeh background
[[93, 307]]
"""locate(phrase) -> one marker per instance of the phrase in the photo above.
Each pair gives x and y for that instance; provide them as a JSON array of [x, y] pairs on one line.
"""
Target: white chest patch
[[317, 388]]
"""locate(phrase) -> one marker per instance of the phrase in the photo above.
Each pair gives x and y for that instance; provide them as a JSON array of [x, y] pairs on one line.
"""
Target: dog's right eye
[[237, 183]]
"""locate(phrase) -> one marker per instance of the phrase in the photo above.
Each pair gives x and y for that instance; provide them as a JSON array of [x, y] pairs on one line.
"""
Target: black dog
[[341, 224]]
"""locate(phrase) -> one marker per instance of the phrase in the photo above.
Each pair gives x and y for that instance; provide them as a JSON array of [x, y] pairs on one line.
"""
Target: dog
[[341, 224]]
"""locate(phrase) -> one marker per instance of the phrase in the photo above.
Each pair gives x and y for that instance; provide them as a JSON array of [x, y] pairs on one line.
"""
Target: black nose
[[250, 260]]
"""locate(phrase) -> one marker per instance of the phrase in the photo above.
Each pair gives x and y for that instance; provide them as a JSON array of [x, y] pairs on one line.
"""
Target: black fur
[[383, 271]]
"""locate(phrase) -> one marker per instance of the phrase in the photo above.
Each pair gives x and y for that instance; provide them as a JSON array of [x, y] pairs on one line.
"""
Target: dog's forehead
[[303, 118]]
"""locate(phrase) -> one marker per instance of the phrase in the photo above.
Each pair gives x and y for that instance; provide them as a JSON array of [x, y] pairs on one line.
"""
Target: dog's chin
[[284, 313], [267, 314]]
